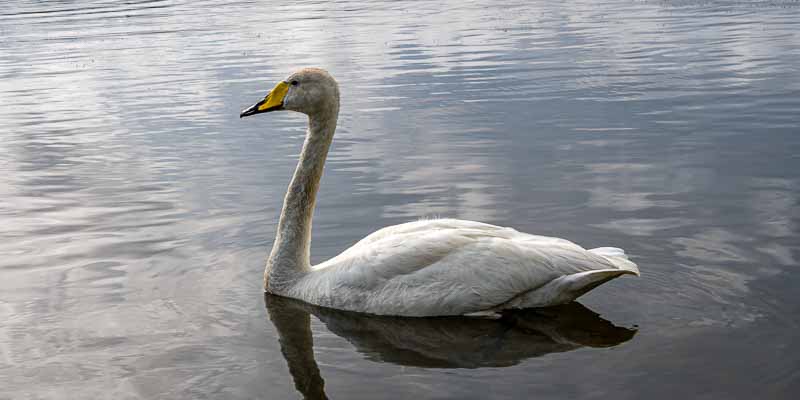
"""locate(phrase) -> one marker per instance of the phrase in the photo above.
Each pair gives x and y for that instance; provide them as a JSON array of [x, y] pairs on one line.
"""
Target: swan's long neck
[[290, 256]]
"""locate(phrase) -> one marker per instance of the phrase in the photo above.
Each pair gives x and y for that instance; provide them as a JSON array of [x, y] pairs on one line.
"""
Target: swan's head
[[311, 91]]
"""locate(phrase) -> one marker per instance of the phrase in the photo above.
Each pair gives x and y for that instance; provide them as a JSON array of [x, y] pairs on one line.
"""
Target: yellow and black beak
[[273, 101]]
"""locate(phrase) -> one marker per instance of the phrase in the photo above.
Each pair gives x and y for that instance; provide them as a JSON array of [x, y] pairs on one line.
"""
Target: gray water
[[137, 209]]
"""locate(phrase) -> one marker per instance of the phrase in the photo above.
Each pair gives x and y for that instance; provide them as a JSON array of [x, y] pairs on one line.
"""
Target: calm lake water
[[137, 209]]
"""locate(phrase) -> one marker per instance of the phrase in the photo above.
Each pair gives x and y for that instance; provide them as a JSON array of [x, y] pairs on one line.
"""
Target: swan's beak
[[273, 101]]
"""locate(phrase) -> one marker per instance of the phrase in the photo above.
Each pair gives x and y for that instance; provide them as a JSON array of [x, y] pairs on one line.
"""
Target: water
[[137, 209]]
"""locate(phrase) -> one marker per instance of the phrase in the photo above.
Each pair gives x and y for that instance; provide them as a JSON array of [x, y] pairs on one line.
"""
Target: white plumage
[[422, 268], [456, 267]]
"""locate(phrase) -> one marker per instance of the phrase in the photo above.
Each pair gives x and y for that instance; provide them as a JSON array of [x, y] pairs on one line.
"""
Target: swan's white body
[[456, 267], [423, 268]]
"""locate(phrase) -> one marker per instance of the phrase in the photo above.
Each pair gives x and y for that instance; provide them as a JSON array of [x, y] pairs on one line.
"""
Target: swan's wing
[[428, 225], [440, 267]]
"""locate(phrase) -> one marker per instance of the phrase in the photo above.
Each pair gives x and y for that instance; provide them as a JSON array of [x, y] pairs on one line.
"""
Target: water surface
[[137, 209]]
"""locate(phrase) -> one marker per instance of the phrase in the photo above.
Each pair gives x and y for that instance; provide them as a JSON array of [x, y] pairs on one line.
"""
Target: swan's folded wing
[[428, 225], [445, 267]]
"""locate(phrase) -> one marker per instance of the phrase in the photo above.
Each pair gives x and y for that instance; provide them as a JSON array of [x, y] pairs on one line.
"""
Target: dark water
[[136, 209]]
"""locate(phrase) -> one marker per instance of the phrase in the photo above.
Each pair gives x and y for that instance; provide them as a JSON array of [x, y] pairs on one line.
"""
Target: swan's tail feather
[[618, 258], [569, 287], [610, 252], [565, 289], [580, 283]]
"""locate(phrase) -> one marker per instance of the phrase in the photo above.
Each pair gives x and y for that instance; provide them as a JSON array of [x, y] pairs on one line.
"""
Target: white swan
[[422, 268]]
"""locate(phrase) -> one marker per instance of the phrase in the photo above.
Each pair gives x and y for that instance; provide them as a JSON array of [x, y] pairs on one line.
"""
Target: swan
[[431, 267]]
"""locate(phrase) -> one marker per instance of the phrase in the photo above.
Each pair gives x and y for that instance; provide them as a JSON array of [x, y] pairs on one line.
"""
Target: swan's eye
[[295, 83]]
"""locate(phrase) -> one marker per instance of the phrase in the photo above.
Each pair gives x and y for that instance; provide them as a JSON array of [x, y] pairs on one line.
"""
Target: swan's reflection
[[444, 342]]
